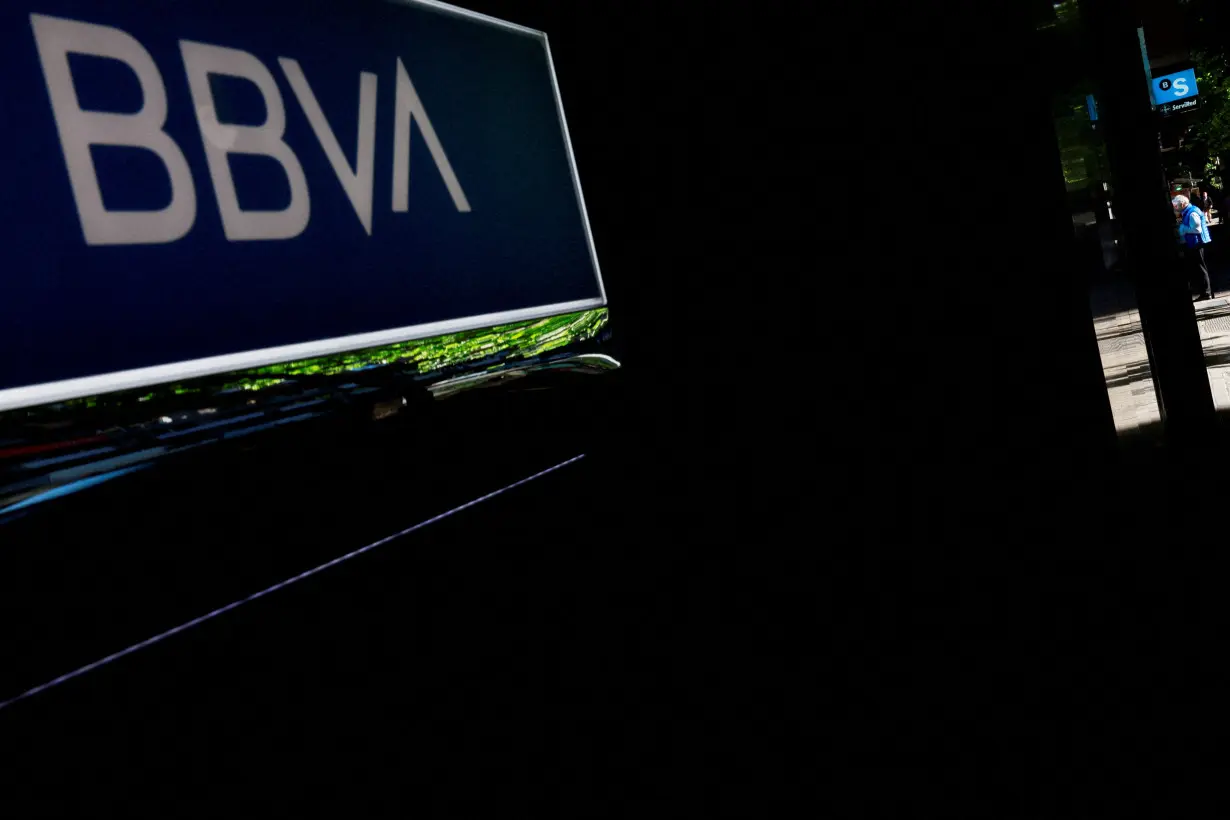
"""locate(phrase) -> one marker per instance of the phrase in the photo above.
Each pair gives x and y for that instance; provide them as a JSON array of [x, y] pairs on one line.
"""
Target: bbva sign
[[79, 129]]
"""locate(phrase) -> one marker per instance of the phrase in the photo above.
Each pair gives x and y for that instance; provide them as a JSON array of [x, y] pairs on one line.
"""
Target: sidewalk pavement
[[1129, 379]]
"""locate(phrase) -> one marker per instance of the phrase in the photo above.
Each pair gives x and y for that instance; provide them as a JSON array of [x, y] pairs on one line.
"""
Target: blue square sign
[[1172, 88]]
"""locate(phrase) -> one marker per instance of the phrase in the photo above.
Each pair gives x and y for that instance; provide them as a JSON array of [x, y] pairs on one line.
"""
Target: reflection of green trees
[[519, 340], [1081, 149], [1064, 16]]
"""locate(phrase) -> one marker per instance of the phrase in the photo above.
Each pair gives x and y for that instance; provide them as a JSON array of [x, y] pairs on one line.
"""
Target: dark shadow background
[[852, 526]]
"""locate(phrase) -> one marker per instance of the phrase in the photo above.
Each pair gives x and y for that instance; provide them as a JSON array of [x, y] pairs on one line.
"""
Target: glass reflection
[[55, 450]]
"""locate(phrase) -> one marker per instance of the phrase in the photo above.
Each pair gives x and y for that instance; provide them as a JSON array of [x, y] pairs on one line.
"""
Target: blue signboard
[[1172, 88], [192, 188], [1092, 105]]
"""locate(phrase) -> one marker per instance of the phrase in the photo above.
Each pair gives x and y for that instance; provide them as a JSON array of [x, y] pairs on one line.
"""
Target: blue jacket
[[1194, 227]]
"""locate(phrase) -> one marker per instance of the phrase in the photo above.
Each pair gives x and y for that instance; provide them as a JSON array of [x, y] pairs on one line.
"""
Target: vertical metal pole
[[1151, 250], [1144, 56]]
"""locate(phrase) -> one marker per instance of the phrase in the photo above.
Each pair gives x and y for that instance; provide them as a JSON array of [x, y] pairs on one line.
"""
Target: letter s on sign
[[1180, 87]]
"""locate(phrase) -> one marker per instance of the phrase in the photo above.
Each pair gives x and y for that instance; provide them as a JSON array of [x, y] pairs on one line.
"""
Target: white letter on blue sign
[[201, 60], [357, 183], [410, 106], [56, 39]]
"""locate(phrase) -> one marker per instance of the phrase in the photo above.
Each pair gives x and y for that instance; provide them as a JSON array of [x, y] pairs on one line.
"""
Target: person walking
[[1194, 234]]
